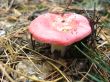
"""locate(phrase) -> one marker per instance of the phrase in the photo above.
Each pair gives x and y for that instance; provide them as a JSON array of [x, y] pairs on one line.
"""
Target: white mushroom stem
[[62, 49]]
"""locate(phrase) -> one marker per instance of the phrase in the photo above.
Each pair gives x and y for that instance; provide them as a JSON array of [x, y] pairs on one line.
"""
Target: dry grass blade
[[59, 71], [35, 80], [11, 3], [58, 79], [105, 37], [20, 48], [82, 80], [5, 73], [30, 60], [45, 57]]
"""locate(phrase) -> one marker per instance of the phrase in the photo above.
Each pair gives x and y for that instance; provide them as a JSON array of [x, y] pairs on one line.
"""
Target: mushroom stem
[[59, 49]]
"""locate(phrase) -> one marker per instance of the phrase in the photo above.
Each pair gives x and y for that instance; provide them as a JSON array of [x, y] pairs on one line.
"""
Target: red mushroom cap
[[60, 30]]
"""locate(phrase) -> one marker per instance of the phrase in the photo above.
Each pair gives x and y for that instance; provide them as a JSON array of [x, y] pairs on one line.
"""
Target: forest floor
[[19, 62]]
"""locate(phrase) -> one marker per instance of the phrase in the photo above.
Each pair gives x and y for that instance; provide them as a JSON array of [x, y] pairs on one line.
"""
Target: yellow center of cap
[[63, 25]]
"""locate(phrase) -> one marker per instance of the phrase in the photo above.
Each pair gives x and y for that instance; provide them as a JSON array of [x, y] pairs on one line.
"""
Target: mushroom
[[60, 31]]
